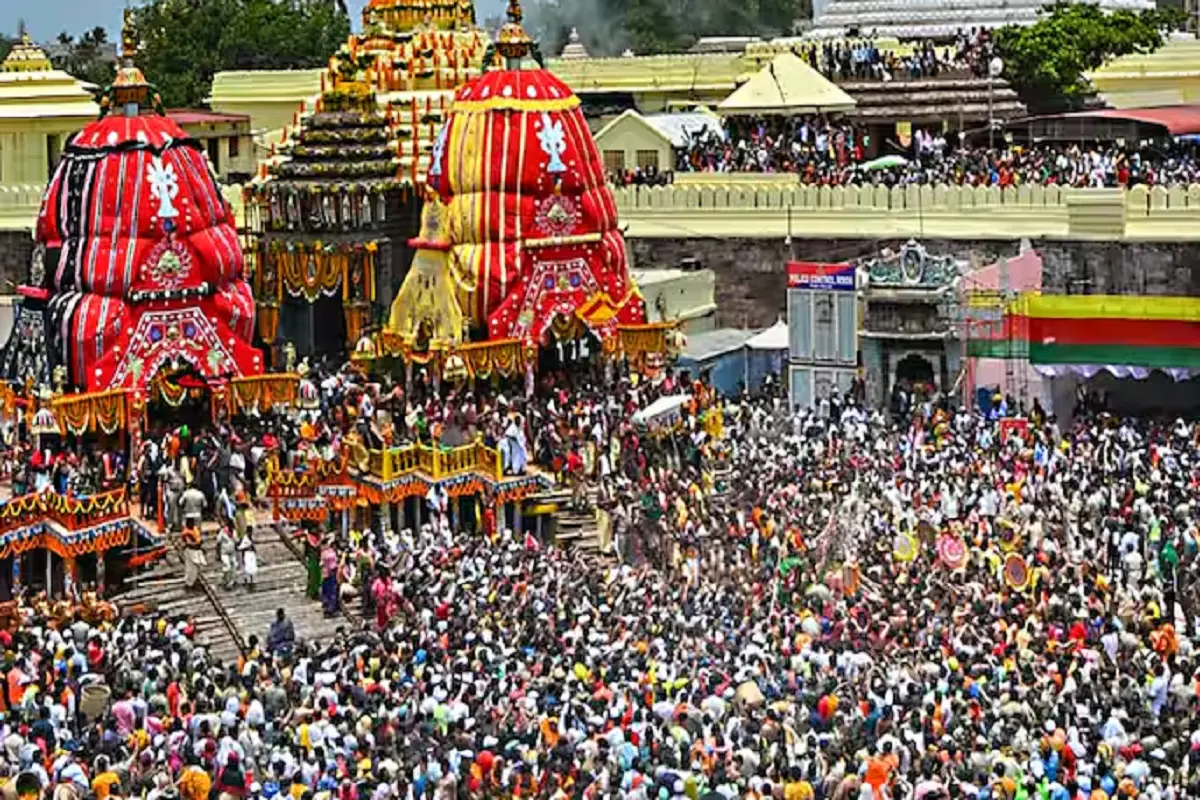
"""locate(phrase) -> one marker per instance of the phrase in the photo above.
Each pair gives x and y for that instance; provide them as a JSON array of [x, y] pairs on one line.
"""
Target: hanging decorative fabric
[[262, 392], [81, 413]]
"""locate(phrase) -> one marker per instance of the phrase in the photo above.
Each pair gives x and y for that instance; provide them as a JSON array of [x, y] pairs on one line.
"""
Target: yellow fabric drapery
[[310, 270], [103, 519], [261, 392], [106, 411], [426, 307], [506, 357], [638, 340]]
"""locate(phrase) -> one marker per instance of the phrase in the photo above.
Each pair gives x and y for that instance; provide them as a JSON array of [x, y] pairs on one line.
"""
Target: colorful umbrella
[[1016, 572], [952, 551], [884, 162], [905, 547]]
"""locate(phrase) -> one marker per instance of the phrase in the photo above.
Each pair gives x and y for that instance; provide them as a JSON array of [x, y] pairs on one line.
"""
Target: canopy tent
[[785, 86], [773, 338], [663, 411], [766, 355]]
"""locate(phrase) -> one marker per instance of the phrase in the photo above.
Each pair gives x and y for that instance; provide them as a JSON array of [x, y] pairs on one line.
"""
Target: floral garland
[[170, 393], [310, 271], [351, 152], [347, 119], [336, 136], [337, 169]]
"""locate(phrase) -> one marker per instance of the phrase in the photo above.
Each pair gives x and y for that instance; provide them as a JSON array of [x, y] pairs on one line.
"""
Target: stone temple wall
[[751, 279], [1120, 268]]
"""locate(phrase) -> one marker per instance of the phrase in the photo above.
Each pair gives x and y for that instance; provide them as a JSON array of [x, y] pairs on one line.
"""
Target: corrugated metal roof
[[710, 344], [681, 127], [198, 116], [1177, 120]]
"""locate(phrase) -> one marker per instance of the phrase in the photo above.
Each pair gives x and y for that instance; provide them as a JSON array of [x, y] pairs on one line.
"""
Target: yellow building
[[633, 141], [1168, 76], [271, 98], [226, 140], [40, 107]]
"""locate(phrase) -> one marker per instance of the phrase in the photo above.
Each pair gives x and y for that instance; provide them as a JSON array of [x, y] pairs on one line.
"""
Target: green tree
[[650, 27], [1047, 62], [185, 42], [89, 58]]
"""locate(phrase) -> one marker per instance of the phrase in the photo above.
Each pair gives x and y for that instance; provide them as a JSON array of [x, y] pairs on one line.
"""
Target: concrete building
[[633, 141], [225, 137], [40, 107]]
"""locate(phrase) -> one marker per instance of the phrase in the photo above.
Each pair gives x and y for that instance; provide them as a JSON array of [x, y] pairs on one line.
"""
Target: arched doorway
[[913, 380]]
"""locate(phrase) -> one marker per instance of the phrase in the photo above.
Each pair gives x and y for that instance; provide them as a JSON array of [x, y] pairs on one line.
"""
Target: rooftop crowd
[[827, 152], [864, 60], [821, 604]]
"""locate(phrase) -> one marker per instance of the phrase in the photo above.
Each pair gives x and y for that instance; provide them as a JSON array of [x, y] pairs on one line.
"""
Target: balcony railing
[[435, 461]]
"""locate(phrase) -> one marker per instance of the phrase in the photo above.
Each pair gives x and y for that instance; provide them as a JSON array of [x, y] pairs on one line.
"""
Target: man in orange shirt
[[879, 771], [105, 780], [16, 683], [194, 783]]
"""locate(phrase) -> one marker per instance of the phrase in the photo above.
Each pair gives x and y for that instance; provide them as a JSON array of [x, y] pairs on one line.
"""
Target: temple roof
[[574, 47], [933, 18], [787, 85], [30, 87]]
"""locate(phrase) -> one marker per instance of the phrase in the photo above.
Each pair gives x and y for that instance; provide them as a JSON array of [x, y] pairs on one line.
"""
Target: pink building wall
[[1024, 275]]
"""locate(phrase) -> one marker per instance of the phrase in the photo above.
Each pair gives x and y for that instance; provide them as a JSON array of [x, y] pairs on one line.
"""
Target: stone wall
[[1120, 268], [16, 248], [751, 276]]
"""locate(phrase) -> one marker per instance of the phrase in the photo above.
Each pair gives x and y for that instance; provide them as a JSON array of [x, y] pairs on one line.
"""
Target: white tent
[[785, 87], [773, 338], [664, 410]]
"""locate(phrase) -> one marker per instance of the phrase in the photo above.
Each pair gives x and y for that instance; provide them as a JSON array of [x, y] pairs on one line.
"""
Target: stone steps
[[280, 583]]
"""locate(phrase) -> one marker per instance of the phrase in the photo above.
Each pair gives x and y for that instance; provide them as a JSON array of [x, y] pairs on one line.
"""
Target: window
[[235, 146], [614, 160], [647, 159], [802, 388], [214, 153], [800, 324], [824, 327], [53, 153], [847, 320]]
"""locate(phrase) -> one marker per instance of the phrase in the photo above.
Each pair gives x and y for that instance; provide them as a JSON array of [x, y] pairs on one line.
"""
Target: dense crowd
[[813, 146], [824, 152], [830, 604], [864, 60]]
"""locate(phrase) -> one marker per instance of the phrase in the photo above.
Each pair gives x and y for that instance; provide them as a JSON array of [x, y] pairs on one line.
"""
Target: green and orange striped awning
[[1135, 331]]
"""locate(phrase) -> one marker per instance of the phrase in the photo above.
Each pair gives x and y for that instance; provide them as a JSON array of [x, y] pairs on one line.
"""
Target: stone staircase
[[227, 618], [574, 528]]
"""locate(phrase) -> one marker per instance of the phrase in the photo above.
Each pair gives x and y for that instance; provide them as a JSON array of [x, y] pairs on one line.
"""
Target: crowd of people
[[831, 604], [825, 152], [864, 60]]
